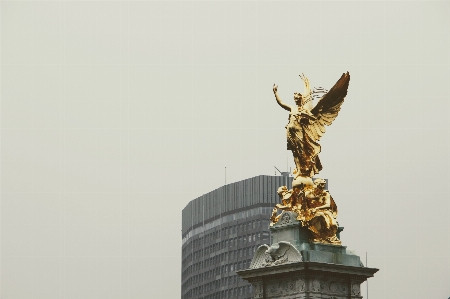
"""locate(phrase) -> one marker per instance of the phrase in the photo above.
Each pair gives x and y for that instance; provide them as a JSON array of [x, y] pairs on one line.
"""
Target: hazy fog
[[115, 114]]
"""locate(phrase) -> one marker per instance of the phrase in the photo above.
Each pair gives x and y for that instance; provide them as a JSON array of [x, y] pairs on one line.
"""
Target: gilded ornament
[[313, 204]]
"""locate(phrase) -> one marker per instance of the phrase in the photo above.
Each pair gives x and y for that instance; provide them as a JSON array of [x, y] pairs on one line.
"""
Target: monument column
[[307, 259], [298, 269]]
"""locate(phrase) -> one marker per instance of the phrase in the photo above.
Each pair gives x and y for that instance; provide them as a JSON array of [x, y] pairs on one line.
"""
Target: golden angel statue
[[307, 125], [313, 204]]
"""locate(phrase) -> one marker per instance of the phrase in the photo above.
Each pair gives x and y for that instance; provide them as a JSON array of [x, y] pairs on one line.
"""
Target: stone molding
[[277, 254]]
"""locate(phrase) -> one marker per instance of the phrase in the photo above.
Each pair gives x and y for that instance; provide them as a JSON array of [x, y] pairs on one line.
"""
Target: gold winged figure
[[307, 125]]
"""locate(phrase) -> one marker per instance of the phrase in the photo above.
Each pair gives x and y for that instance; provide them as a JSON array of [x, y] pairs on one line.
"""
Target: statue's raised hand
[[275, 88]]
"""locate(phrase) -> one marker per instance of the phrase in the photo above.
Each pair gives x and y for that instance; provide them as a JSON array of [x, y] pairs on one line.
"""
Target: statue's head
[[282, 190], [284, 193], [298, 98], [321, 183]]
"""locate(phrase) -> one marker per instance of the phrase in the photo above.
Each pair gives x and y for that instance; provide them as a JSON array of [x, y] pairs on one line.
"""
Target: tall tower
[[221, 230]]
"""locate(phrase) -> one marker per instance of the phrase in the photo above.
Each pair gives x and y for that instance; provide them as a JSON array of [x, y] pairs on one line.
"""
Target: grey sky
[[114, 115]]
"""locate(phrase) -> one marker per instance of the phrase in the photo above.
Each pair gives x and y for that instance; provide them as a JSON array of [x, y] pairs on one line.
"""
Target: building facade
[[220, 232]]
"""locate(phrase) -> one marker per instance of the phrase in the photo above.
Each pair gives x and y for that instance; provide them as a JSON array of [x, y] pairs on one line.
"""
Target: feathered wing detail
[[278, 253], [328, 107], [307, 94], [259, 259]]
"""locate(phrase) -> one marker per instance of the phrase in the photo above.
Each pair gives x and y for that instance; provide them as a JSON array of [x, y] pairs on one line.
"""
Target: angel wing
[[307, 94], [328, 107]]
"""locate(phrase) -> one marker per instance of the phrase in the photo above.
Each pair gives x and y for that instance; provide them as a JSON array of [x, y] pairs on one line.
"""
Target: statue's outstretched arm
[[283, 105]]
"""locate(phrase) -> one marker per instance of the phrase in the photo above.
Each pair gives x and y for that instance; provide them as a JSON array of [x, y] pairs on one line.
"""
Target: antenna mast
[[284, 174]]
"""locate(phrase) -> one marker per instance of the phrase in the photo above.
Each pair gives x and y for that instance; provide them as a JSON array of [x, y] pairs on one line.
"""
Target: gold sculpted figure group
[[313, 204]]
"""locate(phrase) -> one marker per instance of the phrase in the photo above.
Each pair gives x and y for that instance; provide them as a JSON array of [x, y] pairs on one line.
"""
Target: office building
[[220, 232]]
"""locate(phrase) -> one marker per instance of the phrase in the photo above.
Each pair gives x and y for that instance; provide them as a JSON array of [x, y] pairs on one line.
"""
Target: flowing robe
[[322, 223], [304, 147]]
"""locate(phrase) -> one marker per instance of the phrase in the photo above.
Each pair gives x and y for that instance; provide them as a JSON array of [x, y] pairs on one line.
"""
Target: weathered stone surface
[[295, 268], [289, 229], [307, 280], [277, 254]]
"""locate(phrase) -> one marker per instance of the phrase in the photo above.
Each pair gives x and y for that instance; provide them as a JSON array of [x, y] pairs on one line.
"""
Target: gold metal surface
[[307, 125], [315, 208], [313, 204]]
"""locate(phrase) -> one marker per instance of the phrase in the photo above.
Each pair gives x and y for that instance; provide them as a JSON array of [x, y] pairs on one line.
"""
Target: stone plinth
[[292, 267]]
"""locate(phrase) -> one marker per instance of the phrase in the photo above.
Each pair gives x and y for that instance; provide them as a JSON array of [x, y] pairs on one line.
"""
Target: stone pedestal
[[294, 268]]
